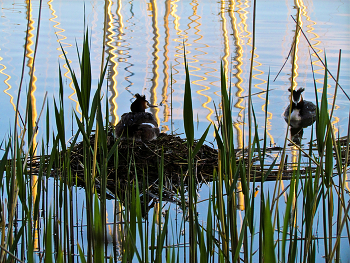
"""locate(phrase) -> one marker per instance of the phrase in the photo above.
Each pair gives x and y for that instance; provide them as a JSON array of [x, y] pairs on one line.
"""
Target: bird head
[[296, 95]]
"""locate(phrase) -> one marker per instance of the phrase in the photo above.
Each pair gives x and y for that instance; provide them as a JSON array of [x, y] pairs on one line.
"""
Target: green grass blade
[[81, 254], [48, 239], [200, 142], [323, 117], [269, 246], [187, 109]]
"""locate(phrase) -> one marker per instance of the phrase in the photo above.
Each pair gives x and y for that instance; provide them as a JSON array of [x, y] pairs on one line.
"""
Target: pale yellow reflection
[[32, 88], [240, 33], [29, 55], [244, 36], [195, 19], [164, 102], [296, 41], [238, 60], [240, 197], [112, 49], [225, 36], [181, 37], [7, 90], [61, 38], [6, 81], [155, 62]]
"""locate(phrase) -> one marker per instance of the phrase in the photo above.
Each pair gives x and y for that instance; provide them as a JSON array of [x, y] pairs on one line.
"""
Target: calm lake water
[[145, 41]]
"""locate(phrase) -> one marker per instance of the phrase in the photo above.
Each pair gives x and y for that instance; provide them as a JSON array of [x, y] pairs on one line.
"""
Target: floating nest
[[142, 159]]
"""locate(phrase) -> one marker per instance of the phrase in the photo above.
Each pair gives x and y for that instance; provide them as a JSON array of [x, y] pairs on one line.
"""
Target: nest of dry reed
[[143, 159]]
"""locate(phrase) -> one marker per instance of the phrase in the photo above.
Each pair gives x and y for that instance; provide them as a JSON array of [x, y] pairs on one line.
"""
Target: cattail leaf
[[200, 142], [218, 139], [210, 235], [86, 75], [269, 245], [161, 237], [113, 150], [81, 254], [323, 118], [74, 79], [98, 233], [60, 126], [287, 215], [187, 109], [48, 239], [81, 128], [3, 163], [329, 158]]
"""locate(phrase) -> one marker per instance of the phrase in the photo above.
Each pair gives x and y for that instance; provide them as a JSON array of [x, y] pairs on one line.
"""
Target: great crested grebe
[[138, 124], [303, 112]]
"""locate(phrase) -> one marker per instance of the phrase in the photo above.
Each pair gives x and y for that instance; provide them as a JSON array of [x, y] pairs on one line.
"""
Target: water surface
[[146, 41]]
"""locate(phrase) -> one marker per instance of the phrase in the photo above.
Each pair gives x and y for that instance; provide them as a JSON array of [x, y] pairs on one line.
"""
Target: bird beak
[[151, 106]]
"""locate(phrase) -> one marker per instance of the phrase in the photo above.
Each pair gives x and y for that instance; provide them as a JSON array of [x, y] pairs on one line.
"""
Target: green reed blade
[[113, 150], [138, 216], [98, 233], [218, 139], [30, 243], [187, 109], [102, 76], [96, 103], [161, 238], [268, 172], [329, 158], [3, 162], [74, 78], [201, 141], [203, 252], [85, 68], [132, 222], [29, 114], [287, 216], [81, 254], [99, 119], [60, 81], [130, 242], [60, 126], [209, 234], [20, 235], [323, 118], [153, 236], [48, 239], [237, 249], [81, 129], [269, 246], [227, 133]]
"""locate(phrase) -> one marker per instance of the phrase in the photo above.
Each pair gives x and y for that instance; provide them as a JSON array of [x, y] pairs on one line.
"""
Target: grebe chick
[[138, 124], [303, 112]]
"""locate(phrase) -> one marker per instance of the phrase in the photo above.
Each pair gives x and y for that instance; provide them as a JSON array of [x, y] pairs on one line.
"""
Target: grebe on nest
[[303, 112], [138, 124]]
